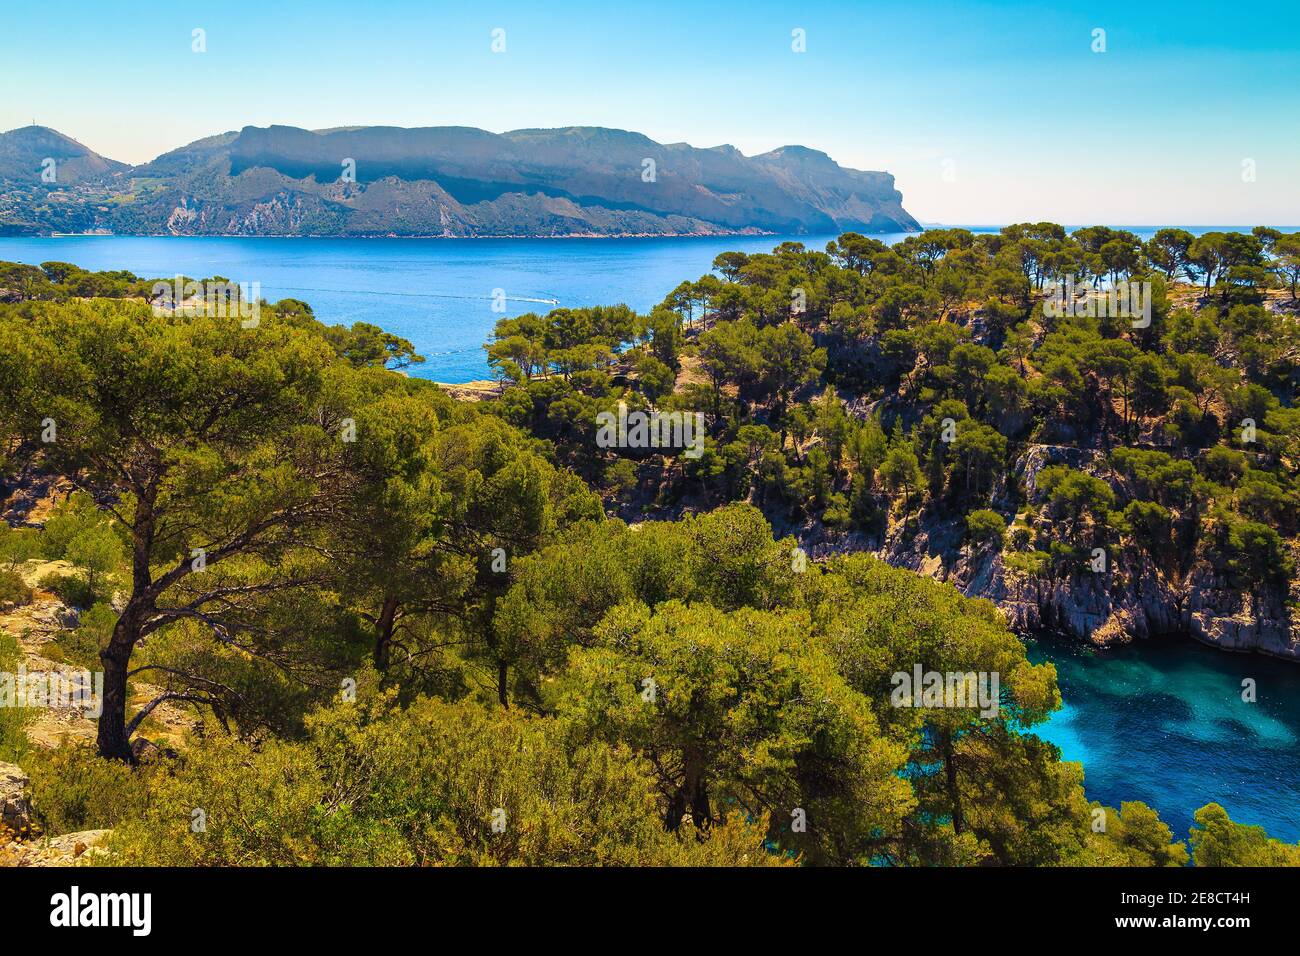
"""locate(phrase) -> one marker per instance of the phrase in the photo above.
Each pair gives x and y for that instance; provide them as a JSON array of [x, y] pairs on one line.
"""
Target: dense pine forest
[[343, 617], [962, 403]]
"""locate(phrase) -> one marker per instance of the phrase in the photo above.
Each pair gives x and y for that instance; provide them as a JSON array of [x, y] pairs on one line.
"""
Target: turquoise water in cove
[[1161, 722]]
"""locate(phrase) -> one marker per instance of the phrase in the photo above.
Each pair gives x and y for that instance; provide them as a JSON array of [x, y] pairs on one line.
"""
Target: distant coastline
[[437, 182]]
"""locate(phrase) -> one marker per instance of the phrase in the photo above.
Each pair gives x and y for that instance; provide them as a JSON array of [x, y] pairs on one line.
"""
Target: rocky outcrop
[[84, 848], [15, 806], [1038, 457], [1216, 614], [1134, 598], [28, 495], [20, 842]]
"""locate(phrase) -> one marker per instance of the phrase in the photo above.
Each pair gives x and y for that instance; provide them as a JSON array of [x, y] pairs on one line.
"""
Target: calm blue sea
[[436, 292], [1155, 722]]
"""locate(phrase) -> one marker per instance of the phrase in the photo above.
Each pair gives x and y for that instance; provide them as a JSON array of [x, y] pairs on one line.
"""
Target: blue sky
[[985, 112]]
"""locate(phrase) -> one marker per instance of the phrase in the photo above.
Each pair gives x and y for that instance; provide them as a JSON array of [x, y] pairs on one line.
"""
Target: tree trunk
[[502, 694], [384, 632], [676, 810], [701, 812], [954, 794], [693, 795], [116, 657], [113, 740]]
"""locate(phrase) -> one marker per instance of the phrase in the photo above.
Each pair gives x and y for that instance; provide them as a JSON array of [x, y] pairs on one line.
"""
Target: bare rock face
[[1102, 609], [15, 807], [1239, 621], [1135, 598], [28, 497]]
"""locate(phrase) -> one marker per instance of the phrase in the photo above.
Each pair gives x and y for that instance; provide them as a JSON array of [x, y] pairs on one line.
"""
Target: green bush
[[98, 550], [13, 589], [985, 528], [837, 513], [71, 518], [13, 720], [17, 545], [1034, 563], [1069, 557], [1021, 536], [380, 786], [70, 589], [80, 646], [1251, 552], [73, 789], [620, 474], [1218, 841]]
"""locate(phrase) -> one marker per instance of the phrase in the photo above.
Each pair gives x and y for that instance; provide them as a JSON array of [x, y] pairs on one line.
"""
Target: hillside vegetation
[[406, 631], [936, 402]]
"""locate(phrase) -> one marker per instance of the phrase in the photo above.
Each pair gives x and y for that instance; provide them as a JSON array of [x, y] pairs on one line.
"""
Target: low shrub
[[80, 646], [13, 720], [71, 590], [14, 591], [73, 789]]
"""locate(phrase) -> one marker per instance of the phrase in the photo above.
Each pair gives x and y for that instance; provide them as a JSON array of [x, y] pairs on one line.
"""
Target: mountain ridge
[[453, 181]]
